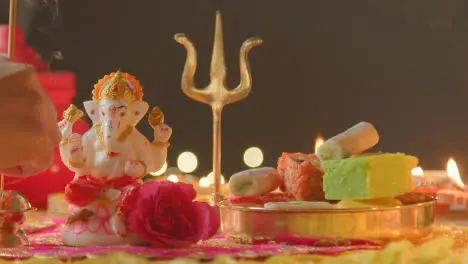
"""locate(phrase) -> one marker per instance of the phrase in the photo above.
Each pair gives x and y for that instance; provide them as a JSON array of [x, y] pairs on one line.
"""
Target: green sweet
[[368, 177]]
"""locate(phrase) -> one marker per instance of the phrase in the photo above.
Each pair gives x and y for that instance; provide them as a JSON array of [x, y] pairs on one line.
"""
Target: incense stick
[[11, 55], [12, 29]]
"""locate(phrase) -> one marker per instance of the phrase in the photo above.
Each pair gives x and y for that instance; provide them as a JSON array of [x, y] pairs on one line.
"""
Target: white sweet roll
[[357, 139], [253, 182], [298, 205]]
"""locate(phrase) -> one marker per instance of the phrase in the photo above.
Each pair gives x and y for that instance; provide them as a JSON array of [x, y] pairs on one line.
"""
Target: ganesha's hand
[[65, 128], [162, 134], [135, 169], [76, 157]]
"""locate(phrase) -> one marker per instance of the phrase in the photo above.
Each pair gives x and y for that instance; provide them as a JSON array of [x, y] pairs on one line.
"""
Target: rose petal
[[158, 239], [209, 220], [185, 190]]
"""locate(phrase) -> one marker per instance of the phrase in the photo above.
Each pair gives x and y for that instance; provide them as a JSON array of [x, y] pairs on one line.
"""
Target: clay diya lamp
[[440, 208]]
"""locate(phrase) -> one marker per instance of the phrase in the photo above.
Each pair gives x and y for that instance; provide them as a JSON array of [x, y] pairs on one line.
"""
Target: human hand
[[28, 128]]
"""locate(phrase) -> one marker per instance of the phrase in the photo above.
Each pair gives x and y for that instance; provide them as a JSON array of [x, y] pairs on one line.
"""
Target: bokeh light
[[187, 162], [160, 171], [204, 182], [173, 178], [210, 177], [253, 157]]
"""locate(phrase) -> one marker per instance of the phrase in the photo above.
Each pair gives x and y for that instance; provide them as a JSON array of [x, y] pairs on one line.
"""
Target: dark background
[[324, 66]]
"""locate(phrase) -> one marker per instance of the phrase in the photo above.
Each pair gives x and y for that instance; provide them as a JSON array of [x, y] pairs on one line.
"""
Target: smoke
[[41, 20], [53, 7]]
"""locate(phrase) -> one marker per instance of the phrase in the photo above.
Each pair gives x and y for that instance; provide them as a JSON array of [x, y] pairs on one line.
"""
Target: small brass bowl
[[248, 224], [13, 206]]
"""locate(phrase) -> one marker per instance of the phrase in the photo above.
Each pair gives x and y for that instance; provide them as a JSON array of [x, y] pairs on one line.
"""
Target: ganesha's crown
[[118, 86]]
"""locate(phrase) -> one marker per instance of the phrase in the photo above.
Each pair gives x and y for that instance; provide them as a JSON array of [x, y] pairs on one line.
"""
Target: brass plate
[[247, 224]]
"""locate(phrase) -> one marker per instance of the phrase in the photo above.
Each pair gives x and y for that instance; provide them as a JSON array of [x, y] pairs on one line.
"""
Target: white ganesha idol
[[108, 159]]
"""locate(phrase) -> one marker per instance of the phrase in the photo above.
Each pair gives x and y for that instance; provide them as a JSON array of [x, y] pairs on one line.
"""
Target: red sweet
[[301, 176], [262, 199]]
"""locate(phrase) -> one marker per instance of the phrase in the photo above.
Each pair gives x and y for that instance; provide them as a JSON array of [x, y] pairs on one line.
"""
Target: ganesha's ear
[[92, 109], [136, 111]]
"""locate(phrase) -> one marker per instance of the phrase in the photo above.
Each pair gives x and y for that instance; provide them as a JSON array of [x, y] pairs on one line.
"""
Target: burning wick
[[318, 142], [454, 174]]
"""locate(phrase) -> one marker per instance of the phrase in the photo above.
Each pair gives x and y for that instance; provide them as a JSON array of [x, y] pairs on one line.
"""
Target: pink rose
[[165, 215]]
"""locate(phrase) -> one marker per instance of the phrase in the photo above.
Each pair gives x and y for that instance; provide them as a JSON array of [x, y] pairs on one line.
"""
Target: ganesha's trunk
[[109, 135]]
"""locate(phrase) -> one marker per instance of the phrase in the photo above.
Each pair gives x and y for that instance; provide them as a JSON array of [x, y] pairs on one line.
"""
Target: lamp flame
[[418, 171], [454, 174], [318, 142]]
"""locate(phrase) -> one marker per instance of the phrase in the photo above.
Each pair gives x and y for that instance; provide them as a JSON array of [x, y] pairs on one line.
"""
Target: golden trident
[[216, 93]]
